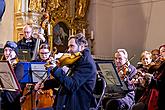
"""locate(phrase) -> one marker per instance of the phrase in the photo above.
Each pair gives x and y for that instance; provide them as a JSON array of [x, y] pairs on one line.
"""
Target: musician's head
[[121, 57], [146, 58], [77, 43], [10, 50], [162, 50], [155, 54], [28, 30], [44, 51]]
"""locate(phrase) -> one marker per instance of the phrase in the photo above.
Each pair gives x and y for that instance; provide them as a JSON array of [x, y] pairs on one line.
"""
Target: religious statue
[[81, 8]]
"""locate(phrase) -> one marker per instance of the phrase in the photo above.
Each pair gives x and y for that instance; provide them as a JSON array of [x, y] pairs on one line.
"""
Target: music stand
[[39, 71], [34, 71], [108, 70], [8, 80]]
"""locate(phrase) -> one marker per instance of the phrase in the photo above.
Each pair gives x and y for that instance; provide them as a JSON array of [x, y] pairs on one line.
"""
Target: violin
[[68, 59], [156, 66], [124, 70], [65, 60]]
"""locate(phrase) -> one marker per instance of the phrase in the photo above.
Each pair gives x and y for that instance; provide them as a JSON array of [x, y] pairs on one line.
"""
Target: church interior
[[108, 25]]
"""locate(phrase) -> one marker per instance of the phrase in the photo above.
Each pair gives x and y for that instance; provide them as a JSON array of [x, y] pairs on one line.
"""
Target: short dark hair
[[79, 39], [161, 46], [44, 46]]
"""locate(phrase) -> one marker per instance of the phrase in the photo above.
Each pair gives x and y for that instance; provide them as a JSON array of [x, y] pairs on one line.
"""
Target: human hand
[[40, 36], [39, 85]]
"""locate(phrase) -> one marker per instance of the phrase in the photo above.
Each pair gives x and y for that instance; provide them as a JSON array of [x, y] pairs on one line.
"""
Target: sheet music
[[38, 72], [7, 78], [109, 73]]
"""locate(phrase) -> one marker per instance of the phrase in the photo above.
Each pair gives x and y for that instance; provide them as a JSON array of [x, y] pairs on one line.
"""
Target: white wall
[[138, 25], [135, 25], [100, 20], [7, 23]]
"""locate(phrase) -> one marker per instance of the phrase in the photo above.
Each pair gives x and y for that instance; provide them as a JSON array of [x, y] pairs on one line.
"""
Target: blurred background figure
[[155, 54]]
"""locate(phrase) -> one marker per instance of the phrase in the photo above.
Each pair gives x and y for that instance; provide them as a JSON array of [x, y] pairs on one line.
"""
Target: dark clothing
[[29, 45], [127, 101], [22, 44], [142, 82], [11, 99], [75, 92], [159, 84]]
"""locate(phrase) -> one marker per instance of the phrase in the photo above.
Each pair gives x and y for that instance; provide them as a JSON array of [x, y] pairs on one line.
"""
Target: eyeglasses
[[27, 31], [44, 53]]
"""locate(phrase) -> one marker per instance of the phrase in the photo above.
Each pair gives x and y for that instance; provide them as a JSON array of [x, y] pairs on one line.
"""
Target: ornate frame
[[65, 11]]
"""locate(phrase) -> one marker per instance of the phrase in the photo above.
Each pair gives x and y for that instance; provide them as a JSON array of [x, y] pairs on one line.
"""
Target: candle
[[26, 5], [75, 31], [49, 29], [23, 5], [69, 32], [72, 31], [92, 37], [84, 31]]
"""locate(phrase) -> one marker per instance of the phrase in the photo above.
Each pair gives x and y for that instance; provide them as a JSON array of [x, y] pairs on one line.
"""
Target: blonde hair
[[144, 53]]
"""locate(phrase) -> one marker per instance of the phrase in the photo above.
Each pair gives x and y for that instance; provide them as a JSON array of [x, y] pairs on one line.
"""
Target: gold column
[[22, 17]]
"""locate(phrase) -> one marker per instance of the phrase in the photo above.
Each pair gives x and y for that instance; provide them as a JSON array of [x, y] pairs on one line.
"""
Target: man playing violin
[[126, 72], [75, 90]]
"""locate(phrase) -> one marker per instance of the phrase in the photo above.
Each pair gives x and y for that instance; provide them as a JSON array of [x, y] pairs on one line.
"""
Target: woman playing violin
[[42, 99], [75, 89], [158, 81], [155, 91], [10, 99], [142, 77], [126, 72]]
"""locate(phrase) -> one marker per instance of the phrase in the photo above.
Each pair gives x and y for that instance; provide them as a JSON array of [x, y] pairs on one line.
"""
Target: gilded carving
[[81, 8], [72, 13], [35, 5]]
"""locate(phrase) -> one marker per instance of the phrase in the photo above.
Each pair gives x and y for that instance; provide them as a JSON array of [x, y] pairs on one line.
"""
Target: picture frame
[[60, 36]]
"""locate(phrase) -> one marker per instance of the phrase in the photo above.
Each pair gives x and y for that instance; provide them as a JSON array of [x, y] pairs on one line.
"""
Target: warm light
[[72, 31], [92, 37], [49, 28], [84, 31]]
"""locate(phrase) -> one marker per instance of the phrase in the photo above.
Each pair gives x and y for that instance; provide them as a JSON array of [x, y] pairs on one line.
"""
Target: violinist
[[126, 72], [155, 54], [155, 91], [44, 53], [158, 81], [10, 99], [44, 99], [142, 77], [76, 87]]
